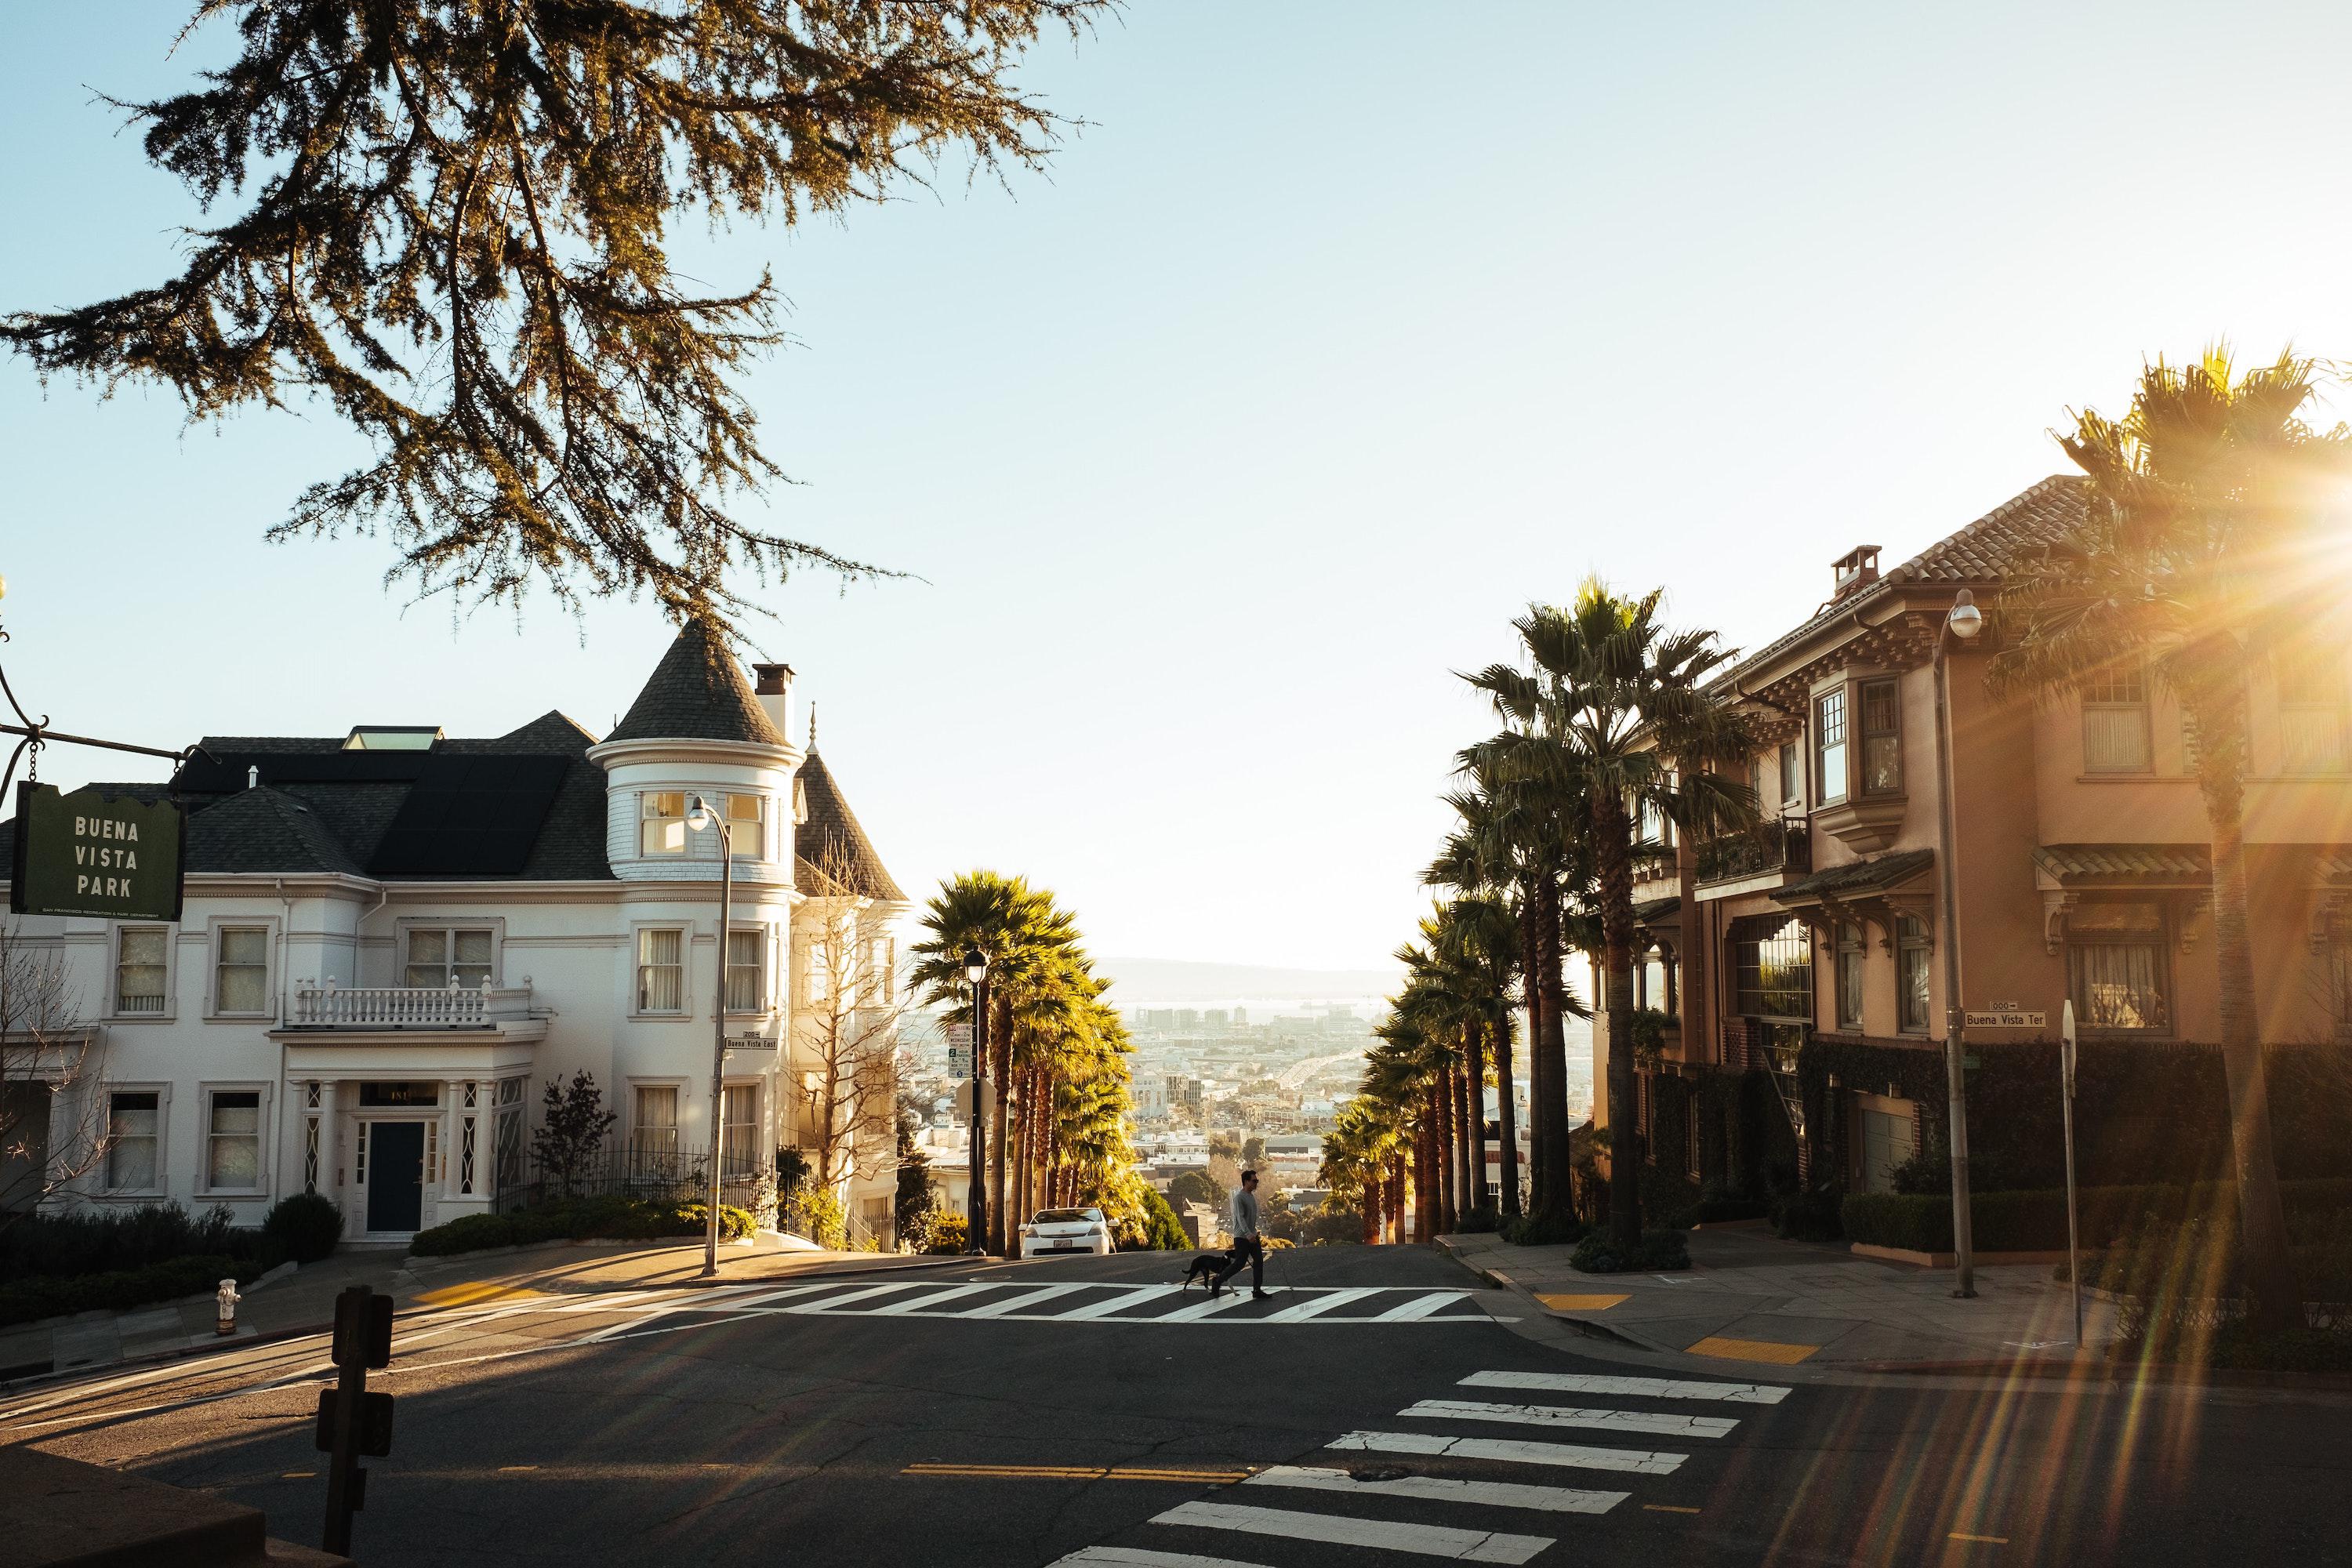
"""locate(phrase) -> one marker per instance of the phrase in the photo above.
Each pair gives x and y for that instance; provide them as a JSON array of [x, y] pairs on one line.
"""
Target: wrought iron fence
[[637, 1169]]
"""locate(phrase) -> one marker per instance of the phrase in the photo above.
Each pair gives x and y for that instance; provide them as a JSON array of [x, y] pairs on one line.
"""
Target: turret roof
[[697, 693], [831, 845]]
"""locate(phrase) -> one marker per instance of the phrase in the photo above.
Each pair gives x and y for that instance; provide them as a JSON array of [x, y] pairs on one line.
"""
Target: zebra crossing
[[1467, 1517], [1029, 1303]]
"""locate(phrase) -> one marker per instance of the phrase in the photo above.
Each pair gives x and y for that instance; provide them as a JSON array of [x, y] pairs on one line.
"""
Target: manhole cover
[[1378, 1473]]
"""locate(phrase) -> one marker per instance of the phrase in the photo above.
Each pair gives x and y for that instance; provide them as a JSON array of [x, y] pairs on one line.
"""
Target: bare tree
[[53, 1117], [846, 1030]]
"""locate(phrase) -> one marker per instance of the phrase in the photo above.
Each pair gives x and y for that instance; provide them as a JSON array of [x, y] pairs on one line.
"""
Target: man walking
[[1240, 1223]]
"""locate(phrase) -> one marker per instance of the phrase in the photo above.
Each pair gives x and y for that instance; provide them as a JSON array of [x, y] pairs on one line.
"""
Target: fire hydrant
[[228, 1298]]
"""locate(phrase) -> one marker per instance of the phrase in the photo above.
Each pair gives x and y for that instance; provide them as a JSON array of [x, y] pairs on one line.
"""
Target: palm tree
[[2203, 558], [1612, 722], [1477, 864]]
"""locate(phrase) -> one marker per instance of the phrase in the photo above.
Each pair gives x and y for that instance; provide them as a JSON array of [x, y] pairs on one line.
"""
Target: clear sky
[[1343, 331]]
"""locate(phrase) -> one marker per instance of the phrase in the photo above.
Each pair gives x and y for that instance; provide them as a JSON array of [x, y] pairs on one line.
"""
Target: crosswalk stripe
[[1632, 1387], [1130, 1295], [1320, 1304], [1425, 1540], [1438, 1489], [997, 1308], [1420, 1306], [1569, 1415], [925, 1303], [1134, 1557], [829, 1303], [1570, 1455], [1200, 1309]]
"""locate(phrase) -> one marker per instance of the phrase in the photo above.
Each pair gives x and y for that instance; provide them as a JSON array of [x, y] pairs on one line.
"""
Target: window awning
[[2122, 866], [1857, 879]]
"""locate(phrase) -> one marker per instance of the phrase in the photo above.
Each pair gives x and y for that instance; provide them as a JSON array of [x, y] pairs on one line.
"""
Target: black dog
[[1204, 1270]]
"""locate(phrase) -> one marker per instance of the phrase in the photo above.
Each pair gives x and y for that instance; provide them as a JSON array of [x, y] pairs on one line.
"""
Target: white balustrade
[[407, 1006]]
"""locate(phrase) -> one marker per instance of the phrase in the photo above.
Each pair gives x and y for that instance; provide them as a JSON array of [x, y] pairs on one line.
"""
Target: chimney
[[1857, 569], [774, 687]]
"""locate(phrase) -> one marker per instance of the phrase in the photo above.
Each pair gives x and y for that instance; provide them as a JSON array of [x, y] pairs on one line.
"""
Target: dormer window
[[392, 738], [664, 828]]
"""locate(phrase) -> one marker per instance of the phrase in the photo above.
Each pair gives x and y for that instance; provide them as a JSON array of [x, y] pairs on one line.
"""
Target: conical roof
[[830, 846], [697, 693]]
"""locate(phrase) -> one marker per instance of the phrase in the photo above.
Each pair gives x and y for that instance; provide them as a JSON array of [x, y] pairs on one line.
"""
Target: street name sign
[[91, 854], [2006, 1017]]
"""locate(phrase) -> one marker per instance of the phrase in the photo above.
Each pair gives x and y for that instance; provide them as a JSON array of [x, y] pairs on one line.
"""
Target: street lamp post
[[698, 817], [975, 1197], [1962, 623]]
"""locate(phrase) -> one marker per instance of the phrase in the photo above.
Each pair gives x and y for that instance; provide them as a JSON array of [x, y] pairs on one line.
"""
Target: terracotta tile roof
[[832, 841], [1656, 910], [1874, 875], [2073, 865], [697, 693]]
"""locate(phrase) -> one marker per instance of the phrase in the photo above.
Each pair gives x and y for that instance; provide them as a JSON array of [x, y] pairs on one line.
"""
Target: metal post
[[2066, 1102], [1955, 1087], [976, 1193], [719, 1042]]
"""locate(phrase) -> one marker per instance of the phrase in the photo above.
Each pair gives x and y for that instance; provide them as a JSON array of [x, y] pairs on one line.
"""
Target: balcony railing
[[1768, 848], [453, 1006]]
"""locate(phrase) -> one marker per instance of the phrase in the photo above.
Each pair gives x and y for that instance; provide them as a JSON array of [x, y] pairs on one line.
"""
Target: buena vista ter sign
[[114, 856]]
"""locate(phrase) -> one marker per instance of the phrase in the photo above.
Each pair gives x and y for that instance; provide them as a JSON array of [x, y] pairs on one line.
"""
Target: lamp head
[[698, 813], [1964, 619], [975, 966]]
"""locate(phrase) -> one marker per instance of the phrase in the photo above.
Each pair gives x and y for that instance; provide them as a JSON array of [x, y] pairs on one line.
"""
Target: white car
[[1066, 1230]]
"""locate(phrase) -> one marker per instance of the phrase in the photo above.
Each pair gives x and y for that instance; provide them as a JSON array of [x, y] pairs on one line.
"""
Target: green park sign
[[89, 854]]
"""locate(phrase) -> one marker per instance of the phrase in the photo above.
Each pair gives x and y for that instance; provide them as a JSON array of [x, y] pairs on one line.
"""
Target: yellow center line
[[1666, 1508], [512, 1470], [299, 1476], [1985, 1540]]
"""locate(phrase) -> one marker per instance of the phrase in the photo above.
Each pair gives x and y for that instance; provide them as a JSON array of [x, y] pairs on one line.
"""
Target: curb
[[2176, 1374]]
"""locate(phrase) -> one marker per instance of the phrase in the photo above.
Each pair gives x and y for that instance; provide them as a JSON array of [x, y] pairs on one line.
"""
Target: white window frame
[[757, 823], [205, 1093], [163, 1185], [171, 1009], [729, 1087], [636, 1130], [2140, 706], [217, 936], [450, 925], [685, 1008], [760, 968], [648, 812]]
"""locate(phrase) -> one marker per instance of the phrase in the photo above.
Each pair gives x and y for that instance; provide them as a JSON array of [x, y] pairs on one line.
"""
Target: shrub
[[1198, 1187], [1483, 1218], [304, 1227], [102, 1241], [1807, 1216], [1659, 1250], [472, 1233], [943, 1232], [825, 1220], [1531, 1231], [50, 1296], [1161, 1230], [579, 1219]]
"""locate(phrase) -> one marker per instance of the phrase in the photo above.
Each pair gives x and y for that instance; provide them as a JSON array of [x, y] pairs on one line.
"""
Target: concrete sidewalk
[[1751, 1297], [301, 1301]]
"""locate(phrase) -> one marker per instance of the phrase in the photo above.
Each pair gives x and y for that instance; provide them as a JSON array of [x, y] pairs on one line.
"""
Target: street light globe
[[698, 813], [1966, 620], [975, 966]]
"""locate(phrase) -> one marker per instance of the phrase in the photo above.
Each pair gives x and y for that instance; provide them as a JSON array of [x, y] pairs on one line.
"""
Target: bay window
[[662, 830], [1829, 745], [746, 826], [1882, 738], [1792, 777]]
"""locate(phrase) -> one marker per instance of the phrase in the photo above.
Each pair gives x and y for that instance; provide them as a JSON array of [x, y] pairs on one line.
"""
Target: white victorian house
[[393, 939]]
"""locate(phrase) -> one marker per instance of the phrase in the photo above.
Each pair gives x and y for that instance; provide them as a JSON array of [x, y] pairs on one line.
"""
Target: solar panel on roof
[[472, 816], [226, 774]]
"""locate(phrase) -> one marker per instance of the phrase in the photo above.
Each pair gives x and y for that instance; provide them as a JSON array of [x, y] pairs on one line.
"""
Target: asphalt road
[[1037, 1416]]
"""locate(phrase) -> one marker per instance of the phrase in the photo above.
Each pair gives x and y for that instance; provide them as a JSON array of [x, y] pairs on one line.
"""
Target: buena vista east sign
[[114, 856]]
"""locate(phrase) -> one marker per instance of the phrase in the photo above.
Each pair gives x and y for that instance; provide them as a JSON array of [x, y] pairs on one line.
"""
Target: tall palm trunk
[[1614, 862], [1465, 1174], [1550, 1048], [1424, 1175], [1448, 1189], [1474, 1082], [1540, 1158], [1693, 1002], [2276, 1301], [1507, 1108]]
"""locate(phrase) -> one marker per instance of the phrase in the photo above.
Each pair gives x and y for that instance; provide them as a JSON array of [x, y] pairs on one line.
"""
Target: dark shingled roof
[[832, 839], [264, 830], [697, 693], [2094, 864], [1873, 875]]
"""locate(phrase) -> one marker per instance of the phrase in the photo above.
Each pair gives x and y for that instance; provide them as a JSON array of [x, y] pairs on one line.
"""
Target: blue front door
[[395, 1176]]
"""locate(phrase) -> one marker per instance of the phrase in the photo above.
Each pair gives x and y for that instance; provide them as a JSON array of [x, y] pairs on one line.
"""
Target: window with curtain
[[747, 825], [2311, 714], [1830, 744], [1792, 777], [2115, 966], [1882, 739], [652, 1119], [1772, 967], [746, 968], [233, 1139], [134, 1131], [738, 1127], [438, 954], [2115, 723], [1851, 952], [661, 970], [1913, 955], [241, 970], [139, 968], [663, 829]]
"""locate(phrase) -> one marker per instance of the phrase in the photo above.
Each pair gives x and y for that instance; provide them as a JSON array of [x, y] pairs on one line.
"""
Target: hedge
[[2036, 1221], [578, 1219], [51, 1296]]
